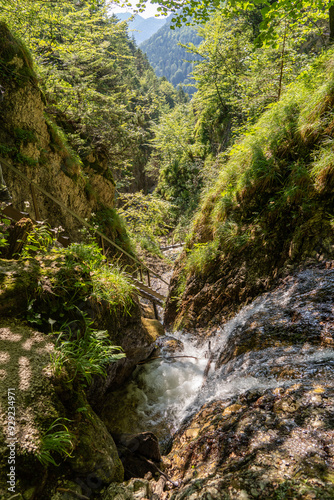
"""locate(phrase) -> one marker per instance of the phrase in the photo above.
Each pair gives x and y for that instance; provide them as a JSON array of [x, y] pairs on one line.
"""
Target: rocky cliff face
[[34, 145]]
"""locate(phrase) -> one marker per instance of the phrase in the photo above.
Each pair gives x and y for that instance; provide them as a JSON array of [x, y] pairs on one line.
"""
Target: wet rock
[[143, 443], [170, 345], [298, 312], [147, 311], [96, 454], [246, 448], [138, 453], [136, 489], [264, 422], [153, 327]]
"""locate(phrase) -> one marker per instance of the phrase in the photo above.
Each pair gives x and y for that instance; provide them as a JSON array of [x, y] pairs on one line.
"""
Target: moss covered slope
[[271, 209]]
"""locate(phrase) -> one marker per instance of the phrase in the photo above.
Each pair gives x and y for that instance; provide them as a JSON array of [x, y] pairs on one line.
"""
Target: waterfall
[[272, 342]]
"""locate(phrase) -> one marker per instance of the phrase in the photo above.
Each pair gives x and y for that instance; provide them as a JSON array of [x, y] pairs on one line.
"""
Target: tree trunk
[[331, 24]]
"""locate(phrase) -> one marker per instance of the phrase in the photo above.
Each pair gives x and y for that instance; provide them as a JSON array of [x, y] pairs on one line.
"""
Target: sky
[[150, 10]]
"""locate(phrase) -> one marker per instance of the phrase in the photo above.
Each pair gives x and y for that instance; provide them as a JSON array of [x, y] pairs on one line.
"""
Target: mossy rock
[[16, 61], [18, 282], [96, 453]]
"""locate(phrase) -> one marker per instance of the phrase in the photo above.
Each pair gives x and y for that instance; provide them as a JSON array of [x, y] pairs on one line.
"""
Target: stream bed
[[281, 339]]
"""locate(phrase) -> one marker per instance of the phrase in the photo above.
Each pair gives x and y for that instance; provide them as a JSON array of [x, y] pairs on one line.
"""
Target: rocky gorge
[[246, 413], [260, 423], [234, 399]]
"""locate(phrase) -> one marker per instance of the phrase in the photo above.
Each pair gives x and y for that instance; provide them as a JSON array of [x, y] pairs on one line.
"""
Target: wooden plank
[[172, 246], [34, 201], [149, 296], [14, 214], [141, 286]]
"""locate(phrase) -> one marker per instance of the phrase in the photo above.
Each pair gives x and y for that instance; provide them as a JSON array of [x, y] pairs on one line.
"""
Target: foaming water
[[165, 391]]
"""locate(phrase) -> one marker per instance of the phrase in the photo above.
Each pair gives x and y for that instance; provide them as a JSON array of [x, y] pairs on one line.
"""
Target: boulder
[[136, 489], [42, 408]]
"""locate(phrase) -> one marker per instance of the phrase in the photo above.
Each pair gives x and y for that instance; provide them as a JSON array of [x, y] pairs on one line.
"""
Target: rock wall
[[34, 145]]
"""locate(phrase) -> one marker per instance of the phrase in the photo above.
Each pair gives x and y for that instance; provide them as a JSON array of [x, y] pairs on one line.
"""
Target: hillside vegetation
[[168, 56], [99, 88], [271, 208]]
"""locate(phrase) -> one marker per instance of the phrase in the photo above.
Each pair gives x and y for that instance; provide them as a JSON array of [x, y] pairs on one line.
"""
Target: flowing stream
[[285, 324]]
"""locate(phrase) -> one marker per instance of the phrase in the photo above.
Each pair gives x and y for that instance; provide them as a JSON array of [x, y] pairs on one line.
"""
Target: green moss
[[15, 60], [111, 224], [6, 150], [71, 164], [24, 136], [25, 160]]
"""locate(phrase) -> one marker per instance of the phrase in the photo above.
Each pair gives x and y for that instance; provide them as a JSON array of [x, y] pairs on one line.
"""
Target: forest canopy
[[98, 86]]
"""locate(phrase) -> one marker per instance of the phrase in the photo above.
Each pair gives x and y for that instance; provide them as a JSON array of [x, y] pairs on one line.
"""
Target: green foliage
[[148, 217], [39, 240], [15, 59], [4, 225], [179, 160], [99, 88], [77, 281], [200, 257], [189, 11], [271, 193], [112, 284], [237, 81], [71, 164], [88, 256], [24, 136], [57, 439], [110, 222], [84, 357], [106, 282]]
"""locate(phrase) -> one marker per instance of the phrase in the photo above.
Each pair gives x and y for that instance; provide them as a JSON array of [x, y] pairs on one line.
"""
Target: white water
[[164, 392]]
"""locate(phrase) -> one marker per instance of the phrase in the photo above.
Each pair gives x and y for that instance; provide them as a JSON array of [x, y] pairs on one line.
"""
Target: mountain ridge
[[141, 28], [168, 58]]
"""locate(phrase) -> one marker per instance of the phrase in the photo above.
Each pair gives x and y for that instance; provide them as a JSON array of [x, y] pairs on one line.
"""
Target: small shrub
[[110, 222], [88, 256], [113, 285], [147, 217], [201, 256]]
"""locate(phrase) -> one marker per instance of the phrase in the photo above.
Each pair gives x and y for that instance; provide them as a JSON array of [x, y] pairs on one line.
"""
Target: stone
[[153, 327], [138, 453], [96, 453], [135, 489]]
